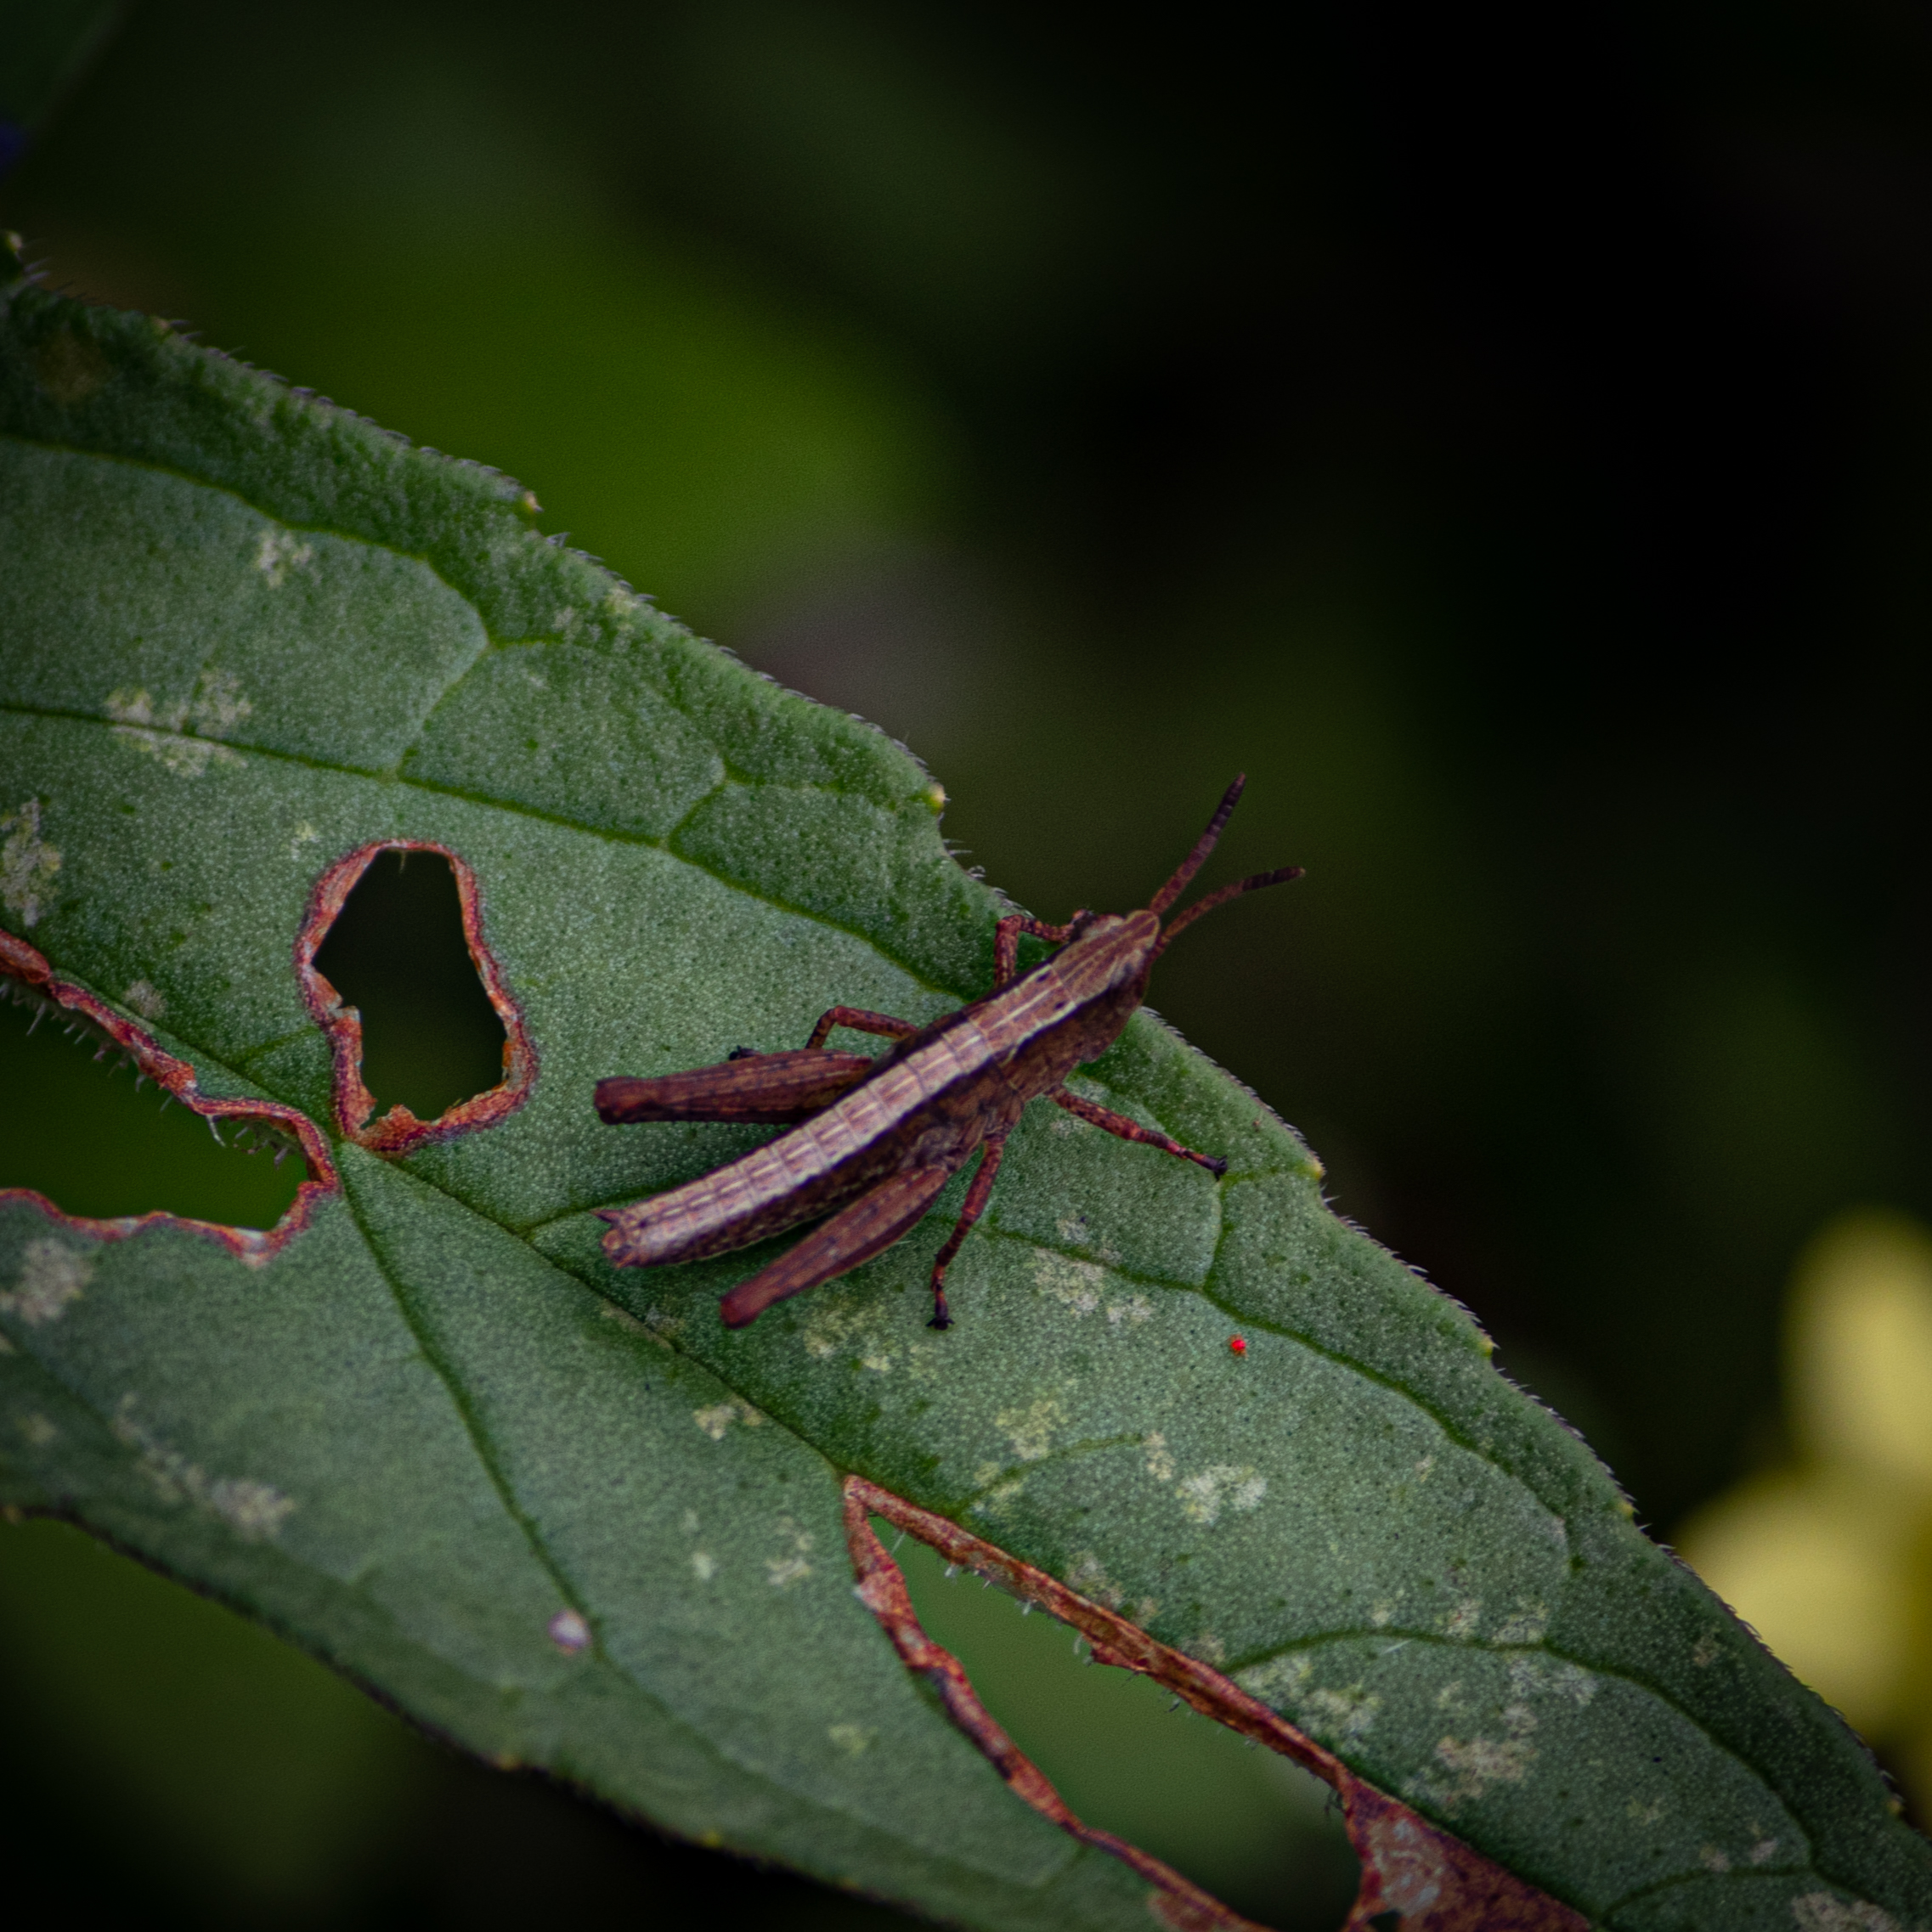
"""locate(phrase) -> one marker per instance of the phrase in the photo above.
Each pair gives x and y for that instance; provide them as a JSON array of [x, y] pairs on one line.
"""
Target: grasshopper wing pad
[[759, 1090], [856, 1234]]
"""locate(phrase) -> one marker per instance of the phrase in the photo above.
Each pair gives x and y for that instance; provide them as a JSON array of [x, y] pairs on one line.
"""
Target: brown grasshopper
[[876, 1140]]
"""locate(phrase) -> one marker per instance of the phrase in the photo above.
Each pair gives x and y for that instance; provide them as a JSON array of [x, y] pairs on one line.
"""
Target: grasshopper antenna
[[1198, 857], [1203, 846]]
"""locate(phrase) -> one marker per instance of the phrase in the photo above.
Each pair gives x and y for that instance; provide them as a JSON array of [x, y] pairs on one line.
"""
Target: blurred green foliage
[[1524, 483], [46, 46], [1261, 1834], [77, 1129], [228, 1763]]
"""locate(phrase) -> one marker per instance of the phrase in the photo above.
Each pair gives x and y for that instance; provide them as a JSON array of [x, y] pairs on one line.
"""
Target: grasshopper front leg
[[1006, 943], [971, 1209]]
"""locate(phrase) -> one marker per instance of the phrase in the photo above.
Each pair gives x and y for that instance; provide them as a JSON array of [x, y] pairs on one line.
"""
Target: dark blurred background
[[1506, 437]]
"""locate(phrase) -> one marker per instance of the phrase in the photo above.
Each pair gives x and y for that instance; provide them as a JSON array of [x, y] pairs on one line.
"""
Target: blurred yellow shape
[[1822, 1560], [1816, 1563], [1858, 1341]]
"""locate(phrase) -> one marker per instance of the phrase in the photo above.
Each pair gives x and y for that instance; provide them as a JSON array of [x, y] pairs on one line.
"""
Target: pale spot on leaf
[[254, 1510], [278, 553], [1527, 1626], [142, 998], [51, 1276], [1075, 1284], [1345, 1715], [995, 1501], [850, 1738], [182, 735], [1088, 1575], [792, 1567], [704, 1565], [27, 865], [1223, 1488], [1031, 1430], [1820, 1911], [1477, 1764], [1277, 1680], [38, 1430], [217, 705], [714, 1421], [835, 1323]]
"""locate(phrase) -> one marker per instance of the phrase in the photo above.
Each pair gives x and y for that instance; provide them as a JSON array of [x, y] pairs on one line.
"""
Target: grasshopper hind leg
[[1118, 1124], [868, 1226]]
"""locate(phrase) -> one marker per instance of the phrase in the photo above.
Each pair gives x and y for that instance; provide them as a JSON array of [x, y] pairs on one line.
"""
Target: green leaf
[[244, 633]]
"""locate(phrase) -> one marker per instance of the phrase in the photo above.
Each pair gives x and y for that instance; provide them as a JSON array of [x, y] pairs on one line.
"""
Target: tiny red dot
[[1238, 1345]]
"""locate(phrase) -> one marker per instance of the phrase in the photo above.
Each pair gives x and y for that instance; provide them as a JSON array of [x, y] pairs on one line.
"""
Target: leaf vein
[[608, 834], [473, 1423]]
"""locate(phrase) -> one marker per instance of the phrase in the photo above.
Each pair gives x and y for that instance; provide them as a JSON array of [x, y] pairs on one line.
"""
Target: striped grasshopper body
[[872, 1141]]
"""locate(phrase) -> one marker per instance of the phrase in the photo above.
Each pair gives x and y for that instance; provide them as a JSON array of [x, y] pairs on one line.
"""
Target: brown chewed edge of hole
[[25, 976], [1415, 1875], [334, 931]]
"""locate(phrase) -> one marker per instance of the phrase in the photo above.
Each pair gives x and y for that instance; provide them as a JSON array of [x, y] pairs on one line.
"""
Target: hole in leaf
[[78, 1130], [430, 1039], [1261, 1834]]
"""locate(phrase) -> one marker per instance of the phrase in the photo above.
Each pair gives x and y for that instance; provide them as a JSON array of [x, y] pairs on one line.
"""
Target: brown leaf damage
[[21, 963], [399, 1131], [882, 1590], [1411, 1868]]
